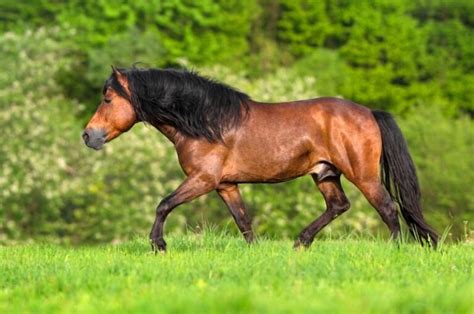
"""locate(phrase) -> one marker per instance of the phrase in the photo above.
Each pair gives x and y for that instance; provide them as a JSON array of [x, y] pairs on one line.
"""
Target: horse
[[223, 138]]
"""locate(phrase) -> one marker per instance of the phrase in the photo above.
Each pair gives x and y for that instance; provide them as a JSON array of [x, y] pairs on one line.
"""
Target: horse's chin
[[99, 147], [95, 146], [96, 143]]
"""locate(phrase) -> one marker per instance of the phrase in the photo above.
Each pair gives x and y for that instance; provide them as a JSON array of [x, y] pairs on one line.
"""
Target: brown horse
[[224, 138]]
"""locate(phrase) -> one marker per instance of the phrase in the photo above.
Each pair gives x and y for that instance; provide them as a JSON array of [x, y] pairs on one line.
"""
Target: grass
[[213, 273]]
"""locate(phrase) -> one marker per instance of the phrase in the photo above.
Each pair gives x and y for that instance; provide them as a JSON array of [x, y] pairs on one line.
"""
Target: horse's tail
[[399, 177]]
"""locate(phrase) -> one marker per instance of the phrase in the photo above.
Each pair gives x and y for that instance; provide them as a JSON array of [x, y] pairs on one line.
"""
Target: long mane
[[195, 105]]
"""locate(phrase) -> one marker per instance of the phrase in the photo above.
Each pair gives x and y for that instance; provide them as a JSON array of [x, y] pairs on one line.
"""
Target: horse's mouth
[[95, 146]]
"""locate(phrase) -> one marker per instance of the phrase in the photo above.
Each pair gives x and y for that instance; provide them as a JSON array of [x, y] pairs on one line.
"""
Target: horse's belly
[[269, 164]]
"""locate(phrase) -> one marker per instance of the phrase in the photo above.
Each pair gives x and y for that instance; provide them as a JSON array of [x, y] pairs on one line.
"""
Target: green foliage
[[442, 151], [397, 53], [215, 273], [158, 33], [94, 64], [202, 28], [303, 25], [442, 10], [326, 66], [36, 132], [197, 29], [383, 54]]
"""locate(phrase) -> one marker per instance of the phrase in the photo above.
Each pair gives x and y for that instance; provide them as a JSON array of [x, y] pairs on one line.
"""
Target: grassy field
[[220, 274]]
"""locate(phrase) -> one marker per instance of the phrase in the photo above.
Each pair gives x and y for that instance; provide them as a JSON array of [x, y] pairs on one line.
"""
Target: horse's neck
[[170, 132]]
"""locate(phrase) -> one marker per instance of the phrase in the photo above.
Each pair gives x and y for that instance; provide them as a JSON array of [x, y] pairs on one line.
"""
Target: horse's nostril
[[85, 136], [94, 137]]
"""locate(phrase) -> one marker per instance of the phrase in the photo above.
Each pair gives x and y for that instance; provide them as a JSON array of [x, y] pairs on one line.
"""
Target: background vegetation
[[412, 58]]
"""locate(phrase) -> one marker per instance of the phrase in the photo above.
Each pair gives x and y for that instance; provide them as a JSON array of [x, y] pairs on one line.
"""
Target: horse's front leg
[[191, 188]]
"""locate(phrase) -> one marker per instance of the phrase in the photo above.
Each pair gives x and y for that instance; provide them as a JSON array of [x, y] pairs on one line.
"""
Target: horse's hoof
[[158, 246], [300, 245], [250, 240]]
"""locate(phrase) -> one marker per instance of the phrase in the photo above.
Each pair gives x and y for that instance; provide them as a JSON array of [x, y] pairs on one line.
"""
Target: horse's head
[[115, 114]]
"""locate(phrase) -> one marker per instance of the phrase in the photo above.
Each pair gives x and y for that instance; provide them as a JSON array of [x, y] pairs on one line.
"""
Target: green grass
[[221, 274]]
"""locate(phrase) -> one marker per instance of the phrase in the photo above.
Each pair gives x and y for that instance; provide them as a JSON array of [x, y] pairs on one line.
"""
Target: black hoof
[[249, 238], [301, 244], [158, 245]]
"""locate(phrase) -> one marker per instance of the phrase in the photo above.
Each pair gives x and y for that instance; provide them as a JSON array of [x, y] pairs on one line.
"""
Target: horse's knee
[[339, 207]]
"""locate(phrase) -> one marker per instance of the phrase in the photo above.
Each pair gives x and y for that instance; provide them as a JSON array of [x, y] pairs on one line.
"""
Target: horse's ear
[[121, 78], [115, 71]]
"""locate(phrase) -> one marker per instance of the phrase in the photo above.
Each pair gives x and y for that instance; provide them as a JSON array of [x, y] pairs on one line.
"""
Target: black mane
[[195, 105]]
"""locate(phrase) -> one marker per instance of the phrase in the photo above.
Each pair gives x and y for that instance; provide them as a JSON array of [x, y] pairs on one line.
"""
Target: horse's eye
[[106, 100]]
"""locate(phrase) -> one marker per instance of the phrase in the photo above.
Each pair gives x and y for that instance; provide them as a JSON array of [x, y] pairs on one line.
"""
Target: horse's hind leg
[[336, 204], [378, 196], [231, 196]]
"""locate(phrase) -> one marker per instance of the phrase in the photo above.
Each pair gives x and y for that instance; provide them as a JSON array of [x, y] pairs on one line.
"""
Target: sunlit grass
[[219, 273]]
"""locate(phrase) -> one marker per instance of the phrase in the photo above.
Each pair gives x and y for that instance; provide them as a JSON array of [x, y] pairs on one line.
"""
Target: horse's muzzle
[[94, 138]]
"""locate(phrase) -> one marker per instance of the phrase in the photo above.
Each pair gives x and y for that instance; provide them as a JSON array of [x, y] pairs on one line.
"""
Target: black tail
[[400, 179]]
